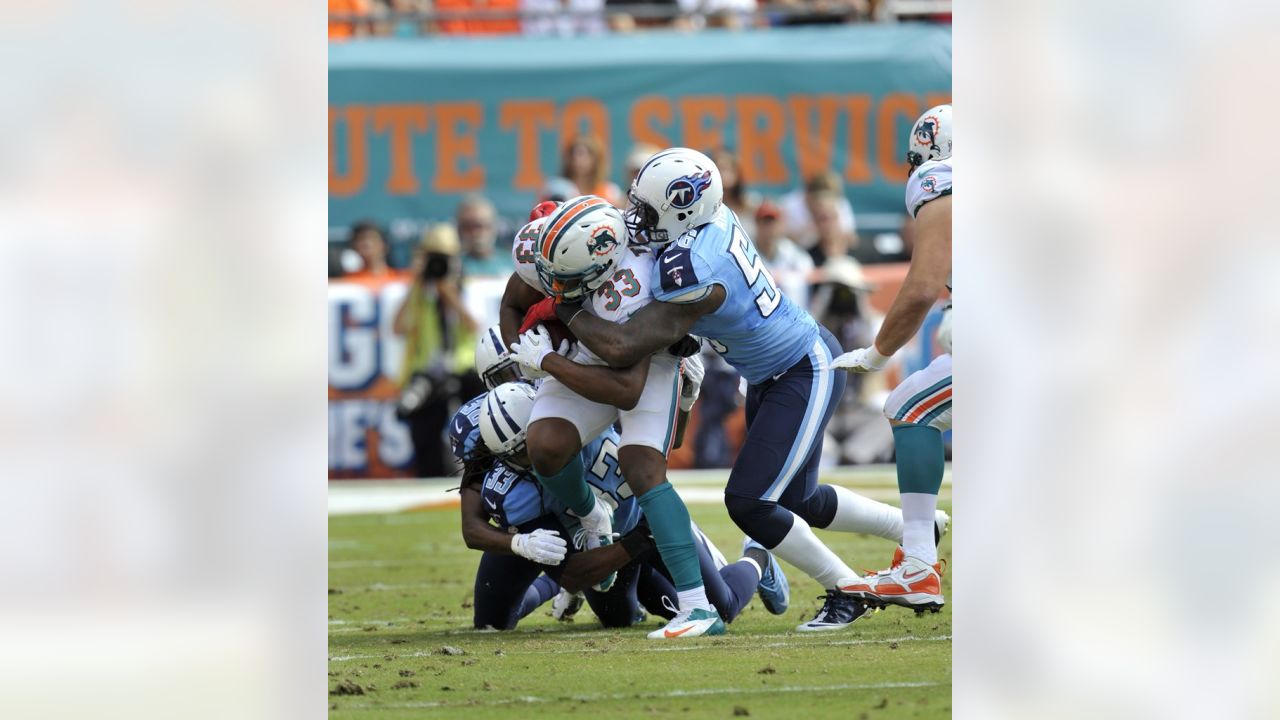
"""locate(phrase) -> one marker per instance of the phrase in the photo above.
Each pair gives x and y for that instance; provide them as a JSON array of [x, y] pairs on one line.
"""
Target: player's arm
[[620, 388], [654, 327], [477, 532], [516, 301], [584, 569], [927, 278]]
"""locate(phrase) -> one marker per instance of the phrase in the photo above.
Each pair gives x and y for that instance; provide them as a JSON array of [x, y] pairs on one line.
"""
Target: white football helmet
[[930, 137], [676, 189], [581, 244], [494, 364], [504, 417]]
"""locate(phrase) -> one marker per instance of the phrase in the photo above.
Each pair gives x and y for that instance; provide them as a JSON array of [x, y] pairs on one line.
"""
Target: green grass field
[[400, 592]]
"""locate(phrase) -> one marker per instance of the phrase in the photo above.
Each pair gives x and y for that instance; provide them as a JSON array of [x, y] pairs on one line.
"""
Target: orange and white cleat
[[909, 582]]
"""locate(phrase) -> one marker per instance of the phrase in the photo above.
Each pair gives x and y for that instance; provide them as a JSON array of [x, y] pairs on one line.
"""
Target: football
[[559, 332]]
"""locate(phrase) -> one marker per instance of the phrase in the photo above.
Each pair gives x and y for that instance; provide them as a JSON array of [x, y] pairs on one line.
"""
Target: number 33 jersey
[[626, 291], [758, 330]]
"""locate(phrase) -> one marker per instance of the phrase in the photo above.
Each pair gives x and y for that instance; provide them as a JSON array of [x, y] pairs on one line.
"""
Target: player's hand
[[944, 329], [536, 345], [543, 209], [541, 546], [862, 360], [540, 312], [693, 371]]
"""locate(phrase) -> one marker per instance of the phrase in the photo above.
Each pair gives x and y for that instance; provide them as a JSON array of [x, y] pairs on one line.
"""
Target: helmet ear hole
[[680, 217]]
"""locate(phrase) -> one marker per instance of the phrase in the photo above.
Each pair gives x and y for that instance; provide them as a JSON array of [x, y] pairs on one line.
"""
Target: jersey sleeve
[[681, 275], [523, 250], [930, 182]]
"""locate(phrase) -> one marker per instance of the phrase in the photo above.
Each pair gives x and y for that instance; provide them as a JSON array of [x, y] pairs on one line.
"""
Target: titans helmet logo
[[602, 241], [684, 191]]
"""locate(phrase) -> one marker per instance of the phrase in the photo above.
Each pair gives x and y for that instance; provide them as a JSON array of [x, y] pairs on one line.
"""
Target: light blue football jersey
[[513, 497], [758, 330]]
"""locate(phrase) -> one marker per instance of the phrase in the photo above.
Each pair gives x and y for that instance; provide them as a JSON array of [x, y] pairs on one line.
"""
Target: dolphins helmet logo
[[601, 241], [926, 131], [929, 184], [684, 191]]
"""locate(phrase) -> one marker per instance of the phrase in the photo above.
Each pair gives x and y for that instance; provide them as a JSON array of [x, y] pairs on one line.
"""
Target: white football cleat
[[566, 604], [910, 582]]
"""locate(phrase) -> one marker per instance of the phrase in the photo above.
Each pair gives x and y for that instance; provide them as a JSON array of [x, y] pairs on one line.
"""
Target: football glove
[[862, 360], [543, 209], [693, 372], [538, 313], [542, 546], [534, 346], [944, 329]]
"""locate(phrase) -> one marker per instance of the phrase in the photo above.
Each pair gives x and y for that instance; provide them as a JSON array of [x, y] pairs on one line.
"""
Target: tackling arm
[[619, 388], [477, 533], [930, 267], [654, 327]]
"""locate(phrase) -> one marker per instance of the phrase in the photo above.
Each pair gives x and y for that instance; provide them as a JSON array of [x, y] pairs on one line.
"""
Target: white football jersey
[[930, 181], [523, 250], [626, 291]]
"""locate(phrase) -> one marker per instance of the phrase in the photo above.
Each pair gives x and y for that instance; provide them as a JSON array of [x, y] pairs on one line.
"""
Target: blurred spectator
[[406, 27], [829, 239], [558, 189], [370, 245], [631, 14], [736, 196], [478, 229], [636, 158], [576, 17], [788, 264], [345, 29], [439, 348], [825, 12], [585, 163], [797, 207], [717, 400], [479, 25]]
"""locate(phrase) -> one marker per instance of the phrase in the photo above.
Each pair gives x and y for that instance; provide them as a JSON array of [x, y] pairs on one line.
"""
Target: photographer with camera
[[439, 359]]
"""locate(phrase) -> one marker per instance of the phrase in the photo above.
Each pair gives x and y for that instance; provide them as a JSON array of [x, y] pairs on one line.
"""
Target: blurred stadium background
[[447, 122]]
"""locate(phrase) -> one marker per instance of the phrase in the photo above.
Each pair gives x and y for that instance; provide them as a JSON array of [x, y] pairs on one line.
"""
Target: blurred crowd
[[411, 18], [808, 238]]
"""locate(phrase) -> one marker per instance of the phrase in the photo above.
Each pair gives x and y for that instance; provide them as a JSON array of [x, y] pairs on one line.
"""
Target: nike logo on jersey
[[457, 427], [669, 259], [491, 503]]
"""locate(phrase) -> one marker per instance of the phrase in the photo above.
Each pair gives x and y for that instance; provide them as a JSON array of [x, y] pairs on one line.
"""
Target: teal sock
[[669, 521], [570, 487], [920, 458]]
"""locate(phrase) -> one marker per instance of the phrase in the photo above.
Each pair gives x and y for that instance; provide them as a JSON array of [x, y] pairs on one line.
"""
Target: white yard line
[[533, 699], [795, 642]]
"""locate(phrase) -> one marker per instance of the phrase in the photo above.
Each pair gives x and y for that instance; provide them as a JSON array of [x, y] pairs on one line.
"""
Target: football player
[[919, 409], [581, 253], [710, 281]]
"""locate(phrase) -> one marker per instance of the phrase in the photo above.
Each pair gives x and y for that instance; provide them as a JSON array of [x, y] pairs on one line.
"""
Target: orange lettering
[[596, 119], [357, 151], [401, 121], [813, 153], [893, 166], [760, 147], [858, 169], [645, 110], [694, 109], [935, 99], [453, 146], [527, 116]]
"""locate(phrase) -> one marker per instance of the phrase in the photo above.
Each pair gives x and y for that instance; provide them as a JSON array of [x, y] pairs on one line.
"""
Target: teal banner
[[414, 125]]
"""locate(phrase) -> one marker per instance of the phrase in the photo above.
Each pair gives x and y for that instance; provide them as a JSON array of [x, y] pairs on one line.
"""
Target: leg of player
[[920, 411], [554, 447], [503, 590], [645, 470]]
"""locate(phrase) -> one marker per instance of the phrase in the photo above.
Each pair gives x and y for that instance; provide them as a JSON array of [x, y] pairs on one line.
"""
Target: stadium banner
[[414, 125], [366, 439]]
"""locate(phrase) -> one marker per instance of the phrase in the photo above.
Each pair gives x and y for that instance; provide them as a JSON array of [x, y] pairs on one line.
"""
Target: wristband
[[875, 358], [636, 544]]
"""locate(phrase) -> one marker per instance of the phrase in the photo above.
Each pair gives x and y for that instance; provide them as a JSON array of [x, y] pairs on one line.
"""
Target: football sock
[[921, 461], [858, 514], [803, 549], [741, 577], [570, 488], [672, 533], [542, 590], [758, 556]]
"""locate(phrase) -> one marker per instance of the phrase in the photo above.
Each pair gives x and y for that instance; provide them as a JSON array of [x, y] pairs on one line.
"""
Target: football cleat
[[691, 624], [565, 605], [910, 582], [941, 523], [774, 590], [838, 610]]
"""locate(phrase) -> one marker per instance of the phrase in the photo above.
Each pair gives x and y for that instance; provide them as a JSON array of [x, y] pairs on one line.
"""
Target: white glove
[[534, 346], [862, 360], [541, 546], [693, 373], [944, 330]]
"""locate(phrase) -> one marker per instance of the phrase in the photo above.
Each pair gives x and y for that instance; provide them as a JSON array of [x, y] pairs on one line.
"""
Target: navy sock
[[542, 590]]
